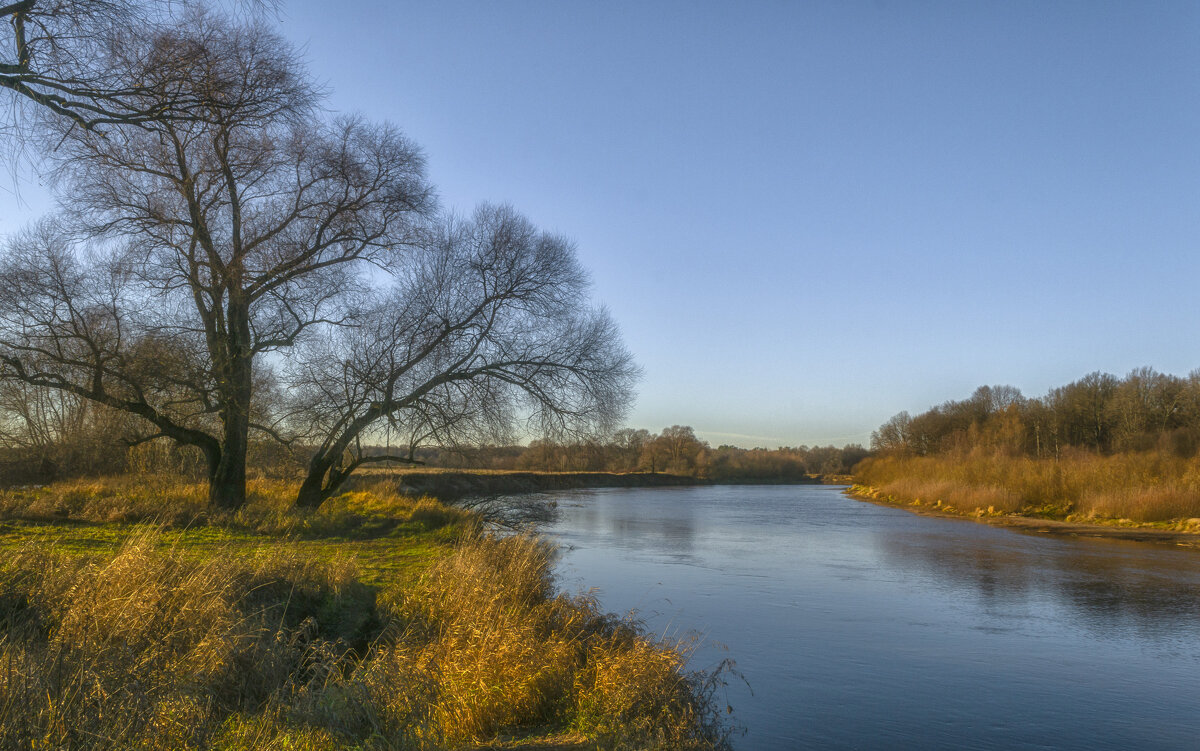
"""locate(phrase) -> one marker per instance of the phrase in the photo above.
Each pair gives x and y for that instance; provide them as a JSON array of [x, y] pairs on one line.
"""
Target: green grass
[[401, 555]]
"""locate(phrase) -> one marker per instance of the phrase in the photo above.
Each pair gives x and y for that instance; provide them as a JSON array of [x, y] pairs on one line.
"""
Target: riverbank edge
[[187, 544], [454, 485], [1032, 524]]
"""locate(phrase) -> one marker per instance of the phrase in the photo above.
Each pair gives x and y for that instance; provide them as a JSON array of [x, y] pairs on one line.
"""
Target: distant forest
[[1145, 410], [1099, 448], [676, 450]]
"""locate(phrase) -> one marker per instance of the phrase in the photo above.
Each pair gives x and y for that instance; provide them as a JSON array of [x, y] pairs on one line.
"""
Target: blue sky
[[807, 217]]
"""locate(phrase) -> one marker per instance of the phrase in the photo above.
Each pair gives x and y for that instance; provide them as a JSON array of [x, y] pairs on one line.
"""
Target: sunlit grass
[[1147, 487], [379, 622]]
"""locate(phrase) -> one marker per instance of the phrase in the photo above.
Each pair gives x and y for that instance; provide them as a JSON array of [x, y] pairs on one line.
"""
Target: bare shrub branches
[[486, 329]]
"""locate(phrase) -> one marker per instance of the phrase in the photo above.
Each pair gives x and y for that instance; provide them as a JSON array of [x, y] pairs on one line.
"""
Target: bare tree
[[629, 443], [680, 447], [486, 331], [72, 58], [893, 435], [216, 239], [56, 57]]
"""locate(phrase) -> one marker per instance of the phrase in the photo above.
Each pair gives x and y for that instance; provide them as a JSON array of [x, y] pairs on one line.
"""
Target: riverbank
[[1182, 533], [129, 612], [453, 485], [450, 486]]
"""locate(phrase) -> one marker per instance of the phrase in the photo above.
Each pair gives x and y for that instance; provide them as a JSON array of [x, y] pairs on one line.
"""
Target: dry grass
[[152, 649], [486, 637], [1146, 487], [170, 647], [162, 499]]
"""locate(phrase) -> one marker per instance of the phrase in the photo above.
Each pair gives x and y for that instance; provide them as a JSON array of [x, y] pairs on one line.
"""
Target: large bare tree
[[215, 239], [486, 331]]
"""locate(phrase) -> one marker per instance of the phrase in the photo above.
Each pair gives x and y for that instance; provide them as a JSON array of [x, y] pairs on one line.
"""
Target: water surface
[[866, 627]]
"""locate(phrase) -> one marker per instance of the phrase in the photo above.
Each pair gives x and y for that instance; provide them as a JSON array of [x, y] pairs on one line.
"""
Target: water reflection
[[1110, 587], [867, 627], [652, 528]]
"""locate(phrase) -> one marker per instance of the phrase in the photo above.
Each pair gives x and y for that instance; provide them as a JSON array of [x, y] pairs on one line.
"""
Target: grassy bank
[[132, 617], [1151, 489]]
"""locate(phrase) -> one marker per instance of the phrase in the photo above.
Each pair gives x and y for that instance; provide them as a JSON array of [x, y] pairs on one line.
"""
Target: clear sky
[[807, 217]]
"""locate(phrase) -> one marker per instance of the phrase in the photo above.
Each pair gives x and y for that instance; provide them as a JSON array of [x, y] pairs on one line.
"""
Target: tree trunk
[[227, 483], [323, 480], [227, 488], [327, 462], [312, 492]]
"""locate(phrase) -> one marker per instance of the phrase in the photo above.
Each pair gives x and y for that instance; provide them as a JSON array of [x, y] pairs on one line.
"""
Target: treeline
[[674, 450], [1100, 413], [46, 436], [1100, 447]]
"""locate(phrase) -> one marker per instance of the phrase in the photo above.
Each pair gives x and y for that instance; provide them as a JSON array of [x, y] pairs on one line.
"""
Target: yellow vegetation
[[177, 646], [1143, 487]]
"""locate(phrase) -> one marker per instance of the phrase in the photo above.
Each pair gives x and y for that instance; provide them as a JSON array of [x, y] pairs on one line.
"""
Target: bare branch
[[486, 329]]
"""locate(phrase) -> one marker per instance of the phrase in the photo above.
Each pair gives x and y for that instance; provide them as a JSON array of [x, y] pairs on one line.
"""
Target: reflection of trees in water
[[1109, 586], [634, 525], [673, 534]]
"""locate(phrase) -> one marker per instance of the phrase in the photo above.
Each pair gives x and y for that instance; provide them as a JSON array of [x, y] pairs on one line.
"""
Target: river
[[859, 626]]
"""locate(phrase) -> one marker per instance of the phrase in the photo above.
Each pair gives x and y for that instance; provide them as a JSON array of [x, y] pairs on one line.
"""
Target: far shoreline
[[449, 485], [1036, 525]]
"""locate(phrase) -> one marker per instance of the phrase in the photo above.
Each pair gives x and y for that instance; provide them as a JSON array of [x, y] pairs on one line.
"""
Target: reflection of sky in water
[[859, 626]]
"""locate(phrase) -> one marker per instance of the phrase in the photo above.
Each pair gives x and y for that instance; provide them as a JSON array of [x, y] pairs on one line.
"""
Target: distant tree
[[629, 444], [993, 399], [680, 448], [654, 454], [1083, 411], [893, 435], [58, 429], [543, 455], [852, 454]]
